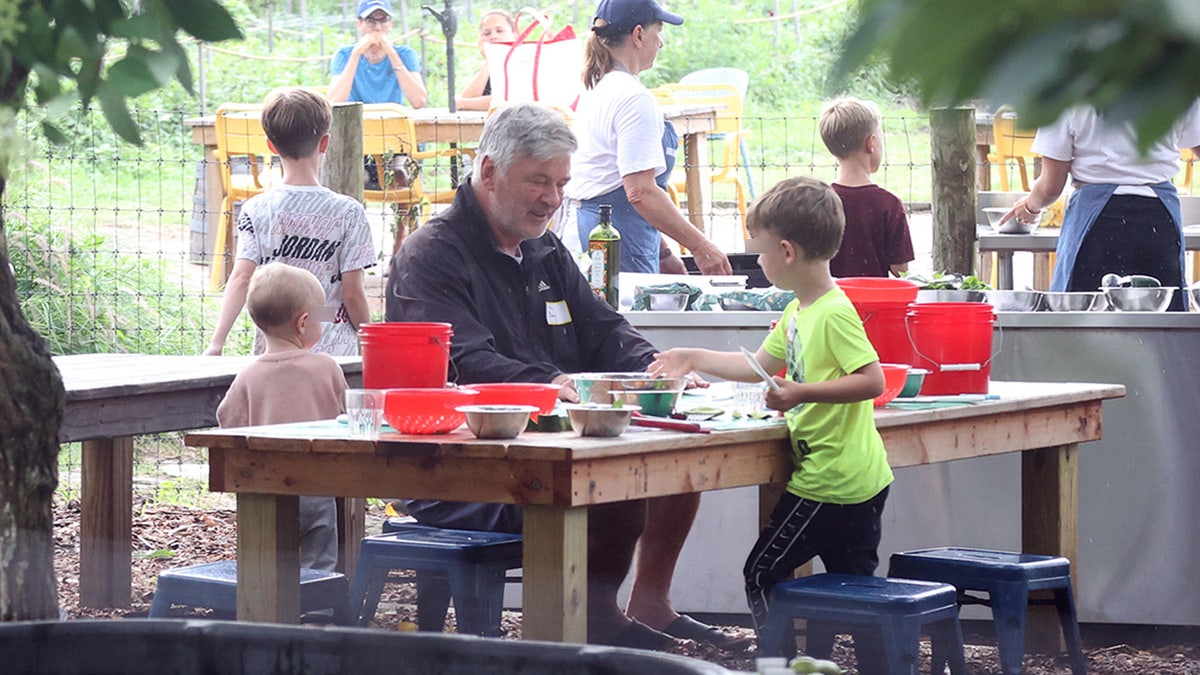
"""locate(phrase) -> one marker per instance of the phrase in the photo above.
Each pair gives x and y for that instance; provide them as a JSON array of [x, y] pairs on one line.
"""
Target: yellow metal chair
[[389, 132], [728, 133], [1012, 144], [240, 135]]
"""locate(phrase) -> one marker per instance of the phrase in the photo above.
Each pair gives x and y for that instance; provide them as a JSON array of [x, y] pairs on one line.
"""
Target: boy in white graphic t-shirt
[[303, 224]]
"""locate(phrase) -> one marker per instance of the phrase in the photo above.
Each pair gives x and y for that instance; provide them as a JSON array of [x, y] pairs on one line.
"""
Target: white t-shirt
[[1108, 154], [619, 129], [317, 229]]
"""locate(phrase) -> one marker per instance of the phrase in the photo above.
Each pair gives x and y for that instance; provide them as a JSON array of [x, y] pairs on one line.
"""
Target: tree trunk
[[31, 412], [952, 141]]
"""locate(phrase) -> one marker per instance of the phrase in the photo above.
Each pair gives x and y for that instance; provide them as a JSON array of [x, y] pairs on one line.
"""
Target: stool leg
[[365, 593], [494, 592], [778, 625], [1010, 602], [901, 640], [473, 590], [161, 607], [947, 647], [1064, 600], [433, 599]]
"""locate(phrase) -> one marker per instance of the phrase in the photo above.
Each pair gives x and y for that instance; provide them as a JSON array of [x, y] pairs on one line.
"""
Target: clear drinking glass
[[364, 412], [748, 397]]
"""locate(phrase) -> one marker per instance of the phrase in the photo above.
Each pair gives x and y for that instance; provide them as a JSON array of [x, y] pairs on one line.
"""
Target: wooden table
[[464, 127], [556, 476], [1041, 240], [110, 399]]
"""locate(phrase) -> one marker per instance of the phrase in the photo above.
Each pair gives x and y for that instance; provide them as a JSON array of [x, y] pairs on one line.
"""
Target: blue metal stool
[[1007, 578], [899, 609], [214, 585], [473, 562]]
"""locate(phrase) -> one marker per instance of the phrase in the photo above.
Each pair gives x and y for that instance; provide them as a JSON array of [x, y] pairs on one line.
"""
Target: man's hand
[[566, 388], [213, 350], [710, 260]]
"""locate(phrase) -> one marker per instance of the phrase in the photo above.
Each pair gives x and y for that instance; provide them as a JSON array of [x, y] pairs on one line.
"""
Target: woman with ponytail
[[626, 148]]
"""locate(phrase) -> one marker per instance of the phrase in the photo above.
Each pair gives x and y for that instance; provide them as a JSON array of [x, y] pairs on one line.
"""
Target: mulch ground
[[165, 537]]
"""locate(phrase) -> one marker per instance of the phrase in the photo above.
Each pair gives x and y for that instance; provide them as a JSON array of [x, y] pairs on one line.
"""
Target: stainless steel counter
[[1139, 487]]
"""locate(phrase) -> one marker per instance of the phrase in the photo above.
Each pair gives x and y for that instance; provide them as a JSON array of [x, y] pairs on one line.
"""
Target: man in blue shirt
[[373, 70]]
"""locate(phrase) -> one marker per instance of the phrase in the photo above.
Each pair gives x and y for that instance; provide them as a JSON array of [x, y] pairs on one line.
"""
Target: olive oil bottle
[[604, 248]]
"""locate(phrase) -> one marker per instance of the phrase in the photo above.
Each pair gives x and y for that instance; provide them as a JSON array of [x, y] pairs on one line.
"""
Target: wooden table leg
[[1049, 526], [554, 596], [352, 527], [106, 522], [698, 185], [268, 555]]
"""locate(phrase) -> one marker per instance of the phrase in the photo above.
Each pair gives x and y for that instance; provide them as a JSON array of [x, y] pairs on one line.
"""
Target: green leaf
[[112, 102], [204, 19], [144, 26], [142, 70], [53, 133]]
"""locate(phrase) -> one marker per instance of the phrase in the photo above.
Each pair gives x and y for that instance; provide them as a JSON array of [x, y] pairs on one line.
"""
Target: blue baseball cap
[[367, 6], [622, 15]]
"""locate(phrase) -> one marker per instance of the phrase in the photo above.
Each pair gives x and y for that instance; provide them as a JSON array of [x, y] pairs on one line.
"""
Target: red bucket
[[953, 341], [405, 355], [882, 304]]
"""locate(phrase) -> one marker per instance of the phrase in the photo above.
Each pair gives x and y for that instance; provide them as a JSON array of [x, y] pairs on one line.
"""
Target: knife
[[758, 369], [674, 425]]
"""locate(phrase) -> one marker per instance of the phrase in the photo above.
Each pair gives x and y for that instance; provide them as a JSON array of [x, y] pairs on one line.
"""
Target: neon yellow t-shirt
[[837, 452]]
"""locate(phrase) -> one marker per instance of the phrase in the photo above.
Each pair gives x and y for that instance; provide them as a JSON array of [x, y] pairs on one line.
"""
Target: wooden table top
[[565, 468], [112, 395]]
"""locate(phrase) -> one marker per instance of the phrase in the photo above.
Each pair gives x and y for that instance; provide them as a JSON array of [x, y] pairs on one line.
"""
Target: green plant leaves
[[1135, 61], [204, 19]]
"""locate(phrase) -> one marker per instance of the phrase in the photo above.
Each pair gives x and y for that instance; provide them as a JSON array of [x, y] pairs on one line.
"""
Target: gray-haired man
[[522, 312]]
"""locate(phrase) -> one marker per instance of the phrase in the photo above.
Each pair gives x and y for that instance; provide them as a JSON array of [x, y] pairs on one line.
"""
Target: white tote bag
[[546, 70]]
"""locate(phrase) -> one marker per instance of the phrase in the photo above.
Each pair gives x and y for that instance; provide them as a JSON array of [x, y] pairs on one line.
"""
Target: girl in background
[[495, 26]]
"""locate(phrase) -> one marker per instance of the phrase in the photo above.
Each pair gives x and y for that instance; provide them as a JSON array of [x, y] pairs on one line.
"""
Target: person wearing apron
[[1124, 215], [622, 142]]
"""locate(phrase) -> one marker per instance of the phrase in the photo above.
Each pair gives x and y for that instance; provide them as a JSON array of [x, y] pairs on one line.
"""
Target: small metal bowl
[[1071, 301], [1015, 301], [1140, 298], [1013, 226], [949, 295], [668, 302], [497, 421], [589, 419], [599, 387], [1193, 298], [732, 305]]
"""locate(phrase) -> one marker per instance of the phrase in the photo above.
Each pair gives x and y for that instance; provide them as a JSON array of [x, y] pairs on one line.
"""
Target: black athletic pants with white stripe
[[844, 536]]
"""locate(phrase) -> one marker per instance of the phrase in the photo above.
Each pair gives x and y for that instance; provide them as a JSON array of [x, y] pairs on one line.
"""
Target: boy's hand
[[672, 363], [789, 395], [213, 350]]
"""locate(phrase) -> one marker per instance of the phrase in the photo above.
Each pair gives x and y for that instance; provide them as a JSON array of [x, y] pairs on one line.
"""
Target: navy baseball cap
[[622, 15], [367, 6]]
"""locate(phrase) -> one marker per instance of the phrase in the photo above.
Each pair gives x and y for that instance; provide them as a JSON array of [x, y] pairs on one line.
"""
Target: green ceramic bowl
[[912, 384], [656, 403]]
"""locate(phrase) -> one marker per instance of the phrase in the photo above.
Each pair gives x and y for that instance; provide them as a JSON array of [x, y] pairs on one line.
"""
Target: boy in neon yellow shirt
[[834, 501]]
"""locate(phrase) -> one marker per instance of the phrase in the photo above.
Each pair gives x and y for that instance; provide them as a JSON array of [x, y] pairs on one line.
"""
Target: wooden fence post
[[343, 173], [952, 144], [343, 170]]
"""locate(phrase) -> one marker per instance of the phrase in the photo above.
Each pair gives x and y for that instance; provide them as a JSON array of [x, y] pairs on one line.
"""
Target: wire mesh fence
[[110, 242]]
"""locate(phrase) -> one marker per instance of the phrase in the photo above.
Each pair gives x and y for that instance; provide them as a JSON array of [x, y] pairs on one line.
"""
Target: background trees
[[52, 55]]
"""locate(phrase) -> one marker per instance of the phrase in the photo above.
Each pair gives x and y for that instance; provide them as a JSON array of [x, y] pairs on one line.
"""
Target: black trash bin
[[184, 647]]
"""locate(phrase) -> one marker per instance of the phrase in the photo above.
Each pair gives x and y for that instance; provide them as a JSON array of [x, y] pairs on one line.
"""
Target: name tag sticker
[[557, 313]]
